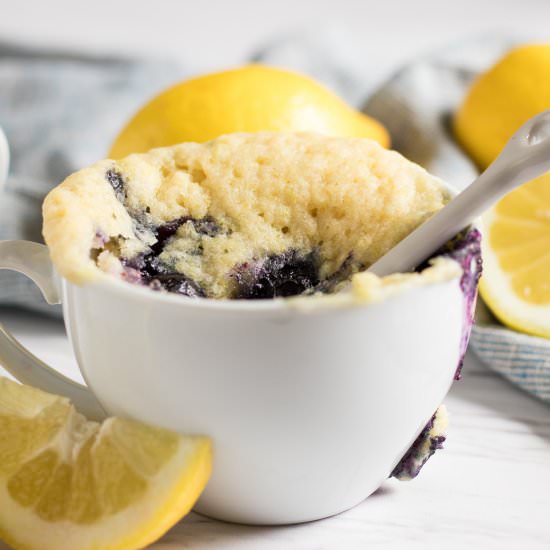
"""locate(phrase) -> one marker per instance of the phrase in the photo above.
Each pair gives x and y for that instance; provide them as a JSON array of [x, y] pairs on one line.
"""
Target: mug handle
[[4, 158], [33, 260]]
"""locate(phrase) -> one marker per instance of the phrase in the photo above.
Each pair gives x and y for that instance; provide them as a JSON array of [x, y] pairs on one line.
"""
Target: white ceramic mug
[[309, 411]]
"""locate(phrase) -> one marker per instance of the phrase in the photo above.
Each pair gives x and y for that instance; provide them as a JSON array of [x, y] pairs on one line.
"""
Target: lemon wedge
[[516, 258], [70, 484]]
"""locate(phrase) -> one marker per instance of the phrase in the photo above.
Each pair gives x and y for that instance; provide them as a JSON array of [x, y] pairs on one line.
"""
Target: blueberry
[[149, 265], [160, 276], [177, 283], [436, 443], [166, 231], [117, 183], [413, 461], [343, 273], [277, 276], [206, 226]]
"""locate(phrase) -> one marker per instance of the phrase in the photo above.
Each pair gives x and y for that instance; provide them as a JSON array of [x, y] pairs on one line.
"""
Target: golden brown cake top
[[212, 213]]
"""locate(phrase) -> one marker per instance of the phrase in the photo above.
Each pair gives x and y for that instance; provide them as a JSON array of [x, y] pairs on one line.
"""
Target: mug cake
[[245, 216], [260, 216]]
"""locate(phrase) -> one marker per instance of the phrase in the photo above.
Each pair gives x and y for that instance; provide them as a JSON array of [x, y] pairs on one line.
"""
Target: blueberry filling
[[343, 273], [282, 275], [178, 284], [415, 458], [158, 275], [147, 268], [465, 249], [206, 226], [276, 276], [117, 183]]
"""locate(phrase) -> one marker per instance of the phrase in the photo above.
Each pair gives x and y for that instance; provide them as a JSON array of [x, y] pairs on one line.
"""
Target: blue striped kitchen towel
[[522, 359], [60, 110]]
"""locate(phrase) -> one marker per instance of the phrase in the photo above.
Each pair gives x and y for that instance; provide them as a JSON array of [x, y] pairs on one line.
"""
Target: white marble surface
[[489, 489]]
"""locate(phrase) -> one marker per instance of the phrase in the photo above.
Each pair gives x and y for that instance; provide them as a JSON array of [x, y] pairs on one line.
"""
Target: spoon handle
[[525, 157]]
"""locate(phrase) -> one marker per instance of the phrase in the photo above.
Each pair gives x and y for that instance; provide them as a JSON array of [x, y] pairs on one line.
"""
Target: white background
[[211, 34]]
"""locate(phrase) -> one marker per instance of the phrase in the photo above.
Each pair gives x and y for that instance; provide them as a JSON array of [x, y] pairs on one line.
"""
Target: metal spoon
[[525, 157]]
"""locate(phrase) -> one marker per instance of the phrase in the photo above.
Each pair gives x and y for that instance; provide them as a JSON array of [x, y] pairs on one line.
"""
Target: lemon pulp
[[69, 484], [516, 252]]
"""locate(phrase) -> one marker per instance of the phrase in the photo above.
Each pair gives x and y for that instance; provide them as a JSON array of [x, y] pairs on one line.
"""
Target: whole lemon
[[502, 99], [248, 99]]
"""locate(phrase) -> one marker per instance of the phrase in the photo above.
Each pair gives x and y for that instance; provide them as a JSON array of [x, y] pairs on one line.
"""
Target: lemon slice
[[70, 484], [516, 258]]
